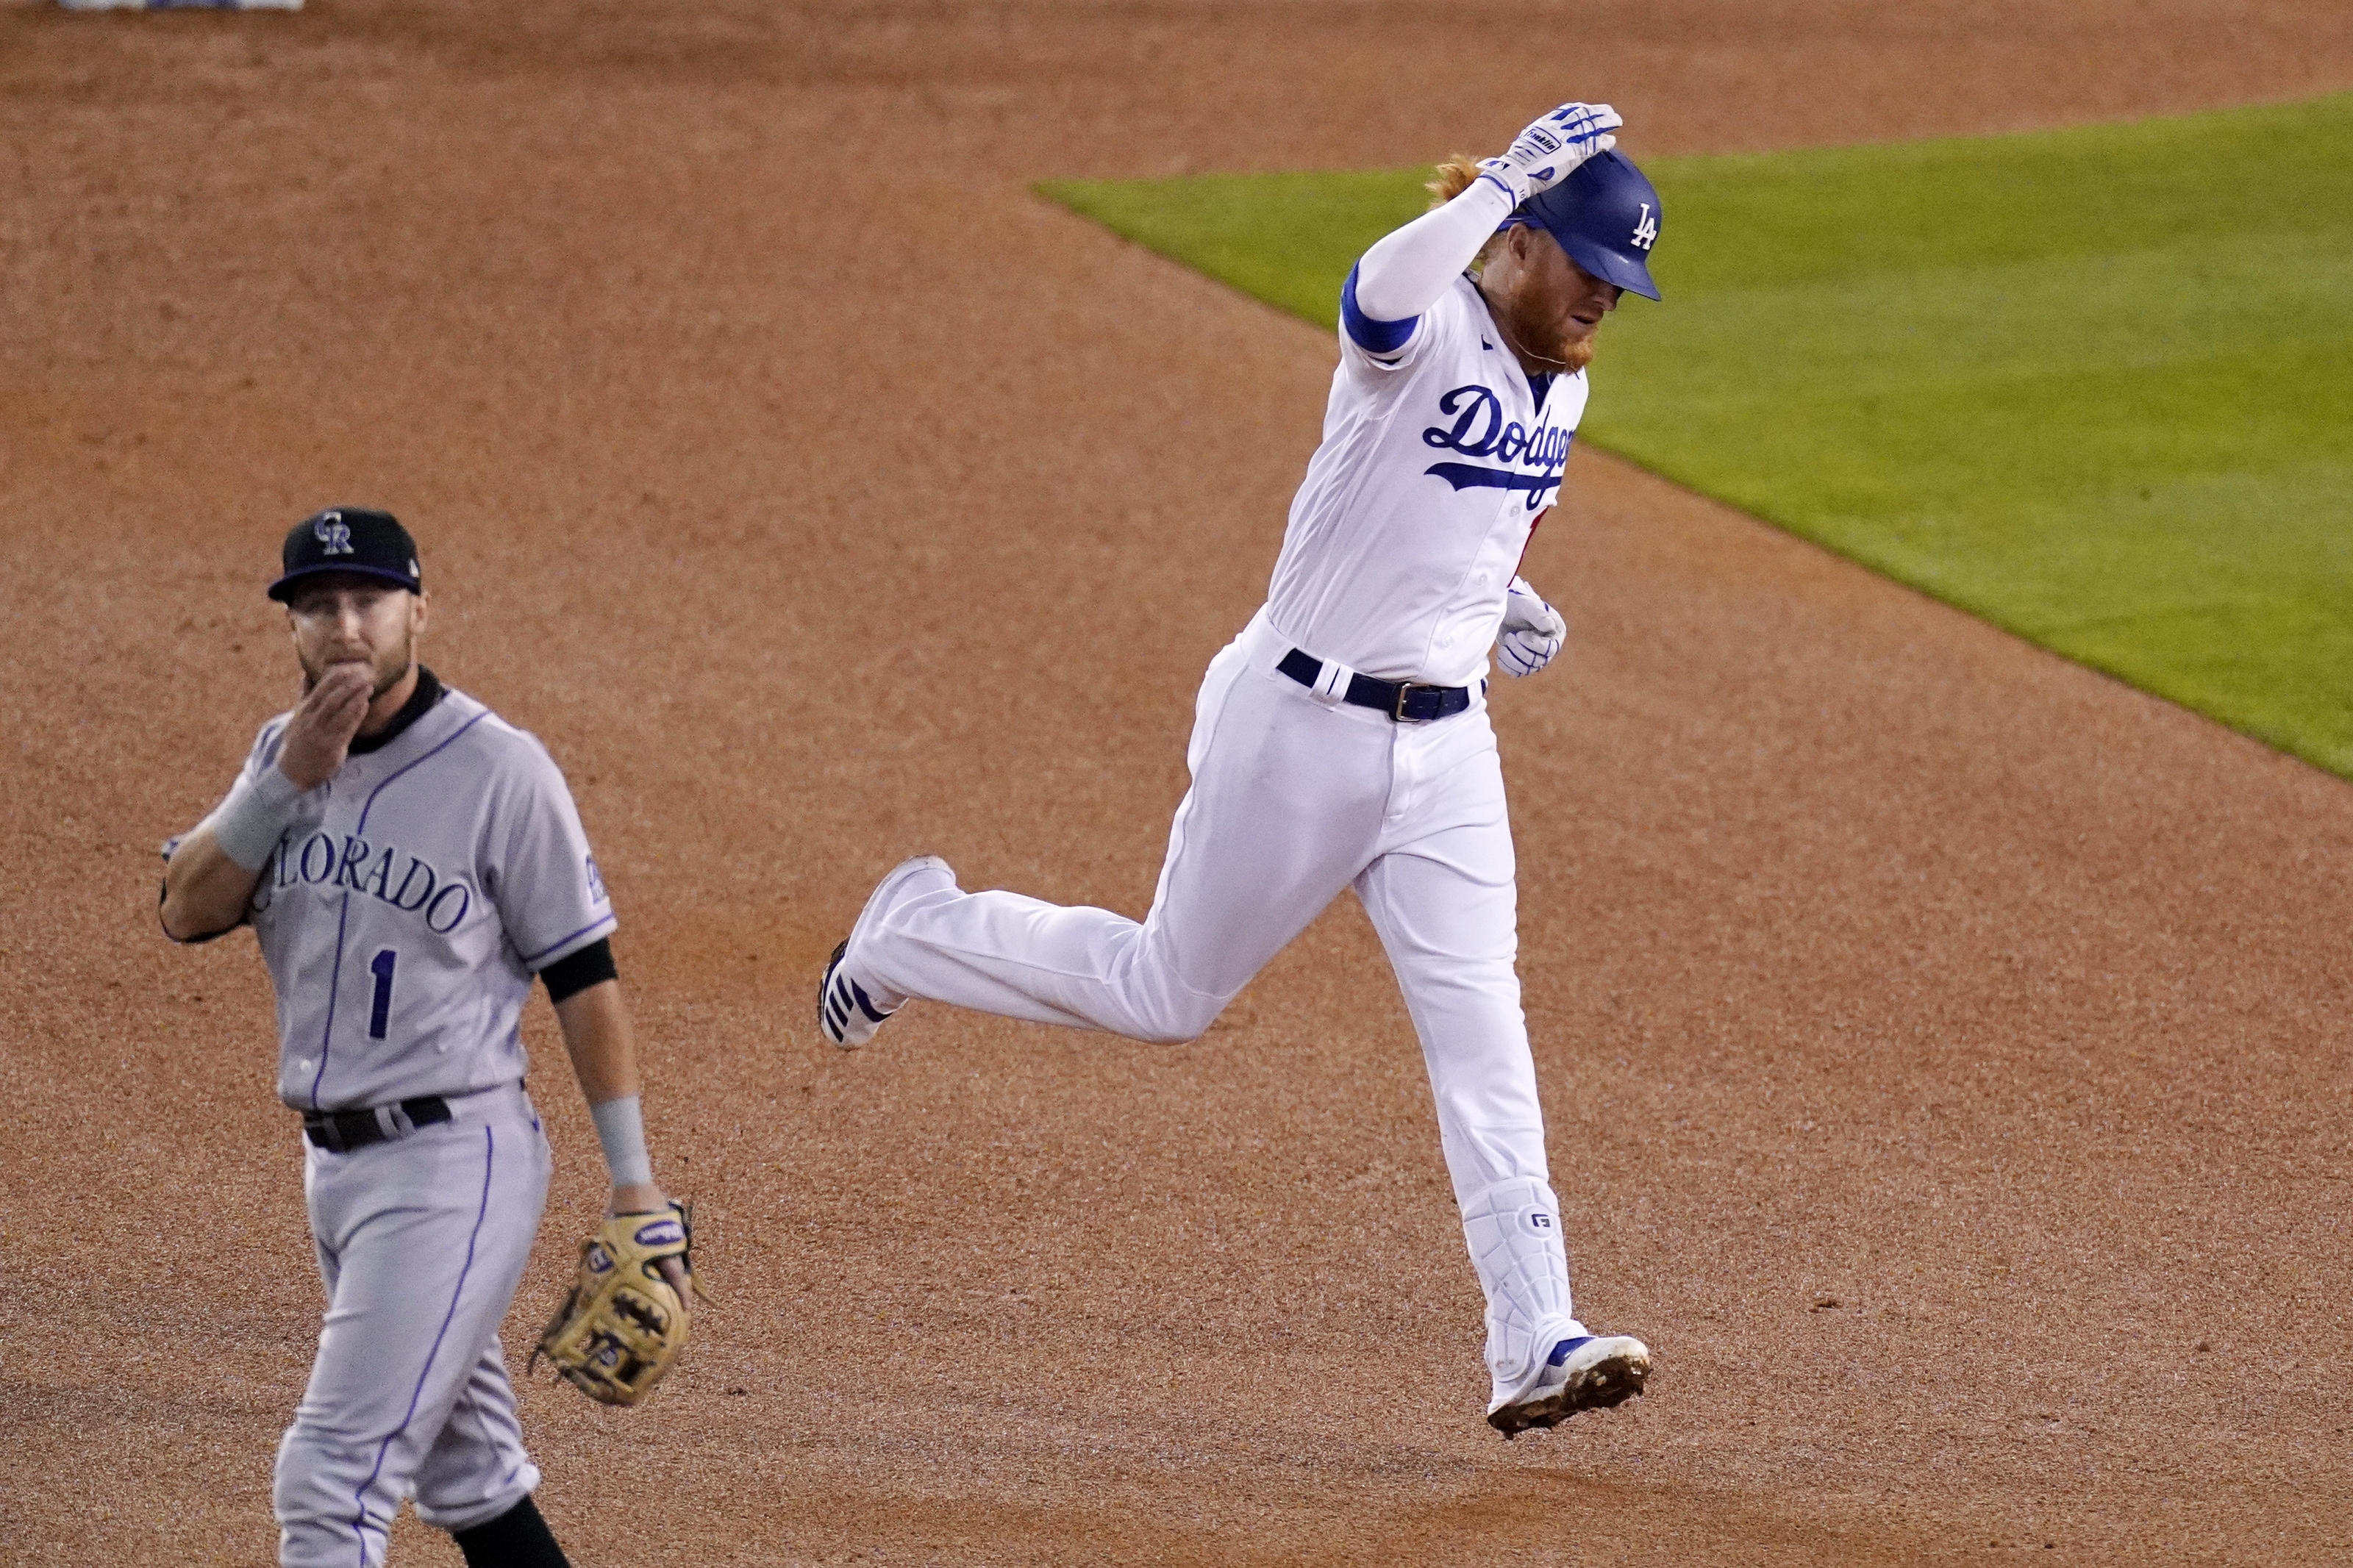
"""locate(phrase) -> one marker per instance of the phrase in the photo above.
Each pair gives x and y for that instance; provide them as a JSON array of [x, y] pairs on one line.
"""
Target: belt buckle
[[1397, 707]]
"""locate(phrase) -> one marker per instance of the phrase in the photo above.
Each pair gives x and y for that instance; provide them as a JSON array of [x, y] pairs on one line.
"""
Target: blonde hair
[[1453, 178]]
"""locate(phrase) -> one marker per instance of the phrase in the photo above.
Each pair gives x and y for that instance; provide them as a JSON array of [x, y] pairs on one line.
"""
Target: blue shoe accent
[[840, 1000], [1610, 1378], [847, 1011], [865, 1005]]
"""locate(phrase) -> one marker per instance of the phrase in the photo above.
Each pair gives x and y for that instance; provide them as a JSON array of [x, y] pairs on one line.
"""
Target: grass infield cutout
[[2095, 385]]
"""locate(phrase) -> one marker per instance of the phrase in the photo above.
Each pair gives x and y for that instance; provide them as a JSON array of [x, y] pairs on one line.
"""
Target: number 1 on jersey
[[380, 1009]]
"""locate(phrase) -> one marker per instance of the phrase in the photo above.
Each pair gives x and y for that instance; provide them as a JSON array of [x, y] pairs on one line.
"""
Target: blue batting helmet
[[1606, 216]]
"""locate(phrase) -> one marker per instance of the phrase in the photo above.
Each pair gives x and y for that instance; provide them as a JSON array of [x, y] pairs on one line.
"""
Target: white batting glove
[[1532, 631], [1549, 150]]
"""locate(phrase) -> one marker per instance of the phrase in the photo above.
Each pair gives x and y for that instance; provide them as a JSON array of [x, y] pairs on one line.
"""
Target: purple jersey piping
[[359, 1503], [335, 979], [532, 957]]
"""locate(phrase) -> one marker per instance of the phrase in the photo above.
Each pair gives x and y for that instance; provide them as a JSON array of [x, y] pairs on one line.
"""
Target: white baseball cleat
[[846, 1010], [1591, 1371]]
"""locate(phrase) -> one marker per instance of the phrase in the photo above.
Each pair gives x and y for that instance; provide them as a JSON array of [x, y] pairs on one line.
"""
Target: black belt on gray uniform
[[1403, 701], [341, 1132]]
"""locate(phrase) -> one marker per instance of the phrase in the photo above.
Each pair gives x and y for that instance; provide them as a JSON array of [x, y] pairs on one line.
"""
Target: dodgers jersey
[[1436, 462], [406, 912]]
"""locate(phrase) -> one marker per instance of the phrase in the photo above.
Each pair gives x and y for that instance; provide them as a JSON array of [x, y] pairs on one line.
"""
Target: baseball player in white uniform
[[409, 862], [1342, 739]]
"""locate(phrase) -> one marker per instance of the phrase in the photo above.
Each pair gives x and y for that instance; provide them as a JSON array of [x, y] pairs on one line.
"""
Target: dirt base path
[[1945, 1047]]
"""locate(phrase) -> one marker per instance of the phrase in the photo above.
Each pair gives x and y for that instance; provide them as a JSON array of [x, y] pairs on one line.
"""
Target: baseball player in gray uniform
[[410, 861], [1342, 739]]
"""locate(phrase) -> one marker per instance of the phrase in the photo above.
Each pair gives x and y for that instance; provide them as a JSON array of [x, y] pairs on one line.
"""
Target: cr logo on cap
[[332, 531]]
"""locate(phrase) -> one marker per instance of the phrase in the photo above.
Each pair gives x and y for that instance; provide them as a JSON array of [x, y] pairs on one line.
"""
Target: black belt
[[1405, 701], [341, 1132]]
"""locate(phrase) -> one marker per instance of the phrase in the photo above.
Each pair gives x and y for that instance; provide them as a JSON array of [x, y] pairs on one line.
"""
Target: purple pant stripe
[[359, 1497]]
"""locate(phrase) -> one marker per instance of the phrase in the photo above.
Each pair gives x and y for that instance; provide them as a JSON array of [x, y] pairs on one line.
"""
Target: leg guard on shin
[[1514, 1231], [518, 1538]]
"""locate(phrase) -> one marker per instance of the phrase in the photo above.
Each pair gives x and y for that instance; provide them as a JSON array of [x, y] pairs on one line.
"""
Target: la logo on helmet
[[333, 532], [1646, 231]]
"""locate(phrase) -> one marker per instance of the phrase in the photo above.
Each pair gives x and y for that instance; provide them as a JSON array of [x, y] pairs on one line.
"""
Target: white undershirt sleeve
[[1405, 272]]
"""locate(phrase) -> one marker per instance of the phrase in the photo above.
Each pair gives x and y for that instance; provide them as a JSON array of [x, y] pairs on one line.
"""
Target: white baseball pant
[[421, 1241], [1295, 796]]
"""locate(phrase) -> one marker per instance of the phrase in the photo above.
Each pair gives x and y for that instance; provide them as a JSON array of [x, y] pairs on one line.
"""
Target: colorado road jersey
[[404, 915], [1436, 462]]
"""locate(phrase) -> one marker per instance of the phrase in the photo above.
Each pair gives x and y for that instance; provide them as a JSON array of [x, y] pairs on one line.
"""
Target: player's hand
[[644, 1198], [319, 735], [1532, 631], [647, 1198], [1549, 150]]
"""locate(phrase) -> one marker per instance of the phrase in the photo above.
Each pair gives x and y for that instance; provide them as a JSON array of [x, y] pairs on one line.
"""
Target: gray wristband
[[249, 823], [621, 1129]]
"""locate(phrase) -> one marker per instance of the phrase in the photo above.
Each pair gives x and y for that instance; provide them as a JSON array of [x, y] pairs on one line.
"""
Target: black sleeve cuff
[[574, 973]]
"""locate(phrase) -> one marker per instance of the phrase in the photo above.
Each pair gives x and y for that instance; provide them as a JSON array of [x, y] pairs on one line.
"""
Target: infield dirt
[[1944, 1046]]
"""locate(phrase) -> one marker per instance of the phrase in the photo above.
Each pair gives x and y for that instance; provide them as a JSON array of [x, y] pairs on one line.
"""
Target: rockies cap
[[347, 539], [1606, 216]]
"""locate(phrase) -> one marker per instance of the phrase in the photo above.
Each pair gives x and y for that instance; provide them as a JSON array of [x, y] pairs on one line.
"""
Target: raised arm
[[1405, 272], [209, 875], [204, 888]]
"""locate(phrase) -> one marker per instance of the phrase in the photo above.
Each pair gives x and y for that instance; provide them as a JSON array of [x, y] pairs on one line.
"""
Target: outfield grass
[[2095, 385]]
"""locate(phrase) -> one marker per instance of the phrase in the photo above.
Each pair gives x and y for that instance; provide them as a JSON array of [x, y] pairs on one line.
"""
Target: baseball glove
[[624, 1322]]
